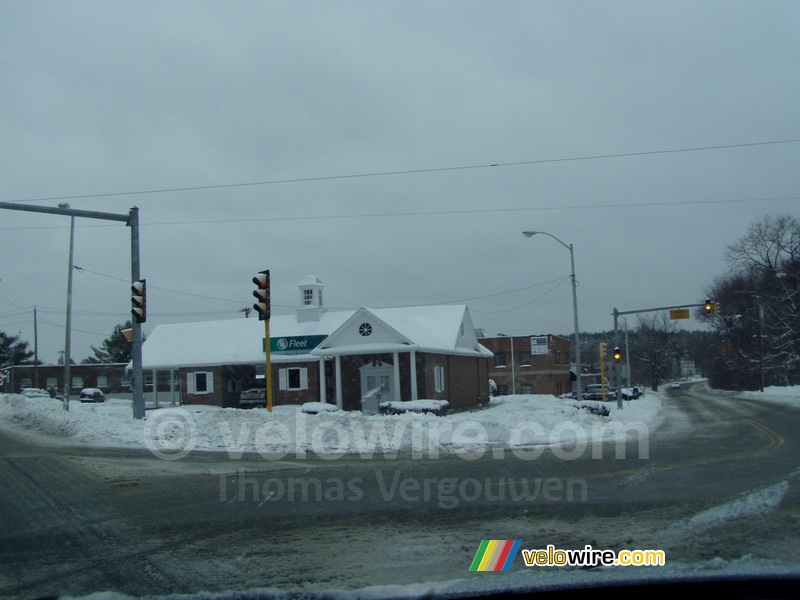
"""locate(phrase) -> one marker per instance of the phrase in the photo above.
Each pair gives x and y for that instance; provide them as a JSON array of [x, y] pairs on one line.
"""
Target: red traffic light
[[139, 300], [262, 293]]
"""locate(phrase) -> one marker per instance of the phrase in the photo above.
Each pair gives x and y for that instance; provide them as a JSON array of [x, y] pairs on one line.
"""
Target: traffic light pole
[[267, 367], [617, 313], [131, 220]]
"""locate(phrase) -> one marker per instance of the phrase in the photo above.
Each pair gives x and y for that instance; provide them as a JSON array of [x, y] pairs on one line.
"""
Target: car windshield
[[399, 298]]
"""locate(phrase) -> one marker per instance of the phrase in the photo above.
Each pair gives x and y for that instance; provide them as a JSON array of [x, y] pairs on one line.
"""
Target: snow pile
[[520, 423]]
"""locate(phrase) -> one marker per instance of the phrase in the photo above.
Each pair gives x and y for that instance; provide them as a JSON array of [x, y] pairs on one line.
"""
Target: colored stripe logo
[[495, 555]]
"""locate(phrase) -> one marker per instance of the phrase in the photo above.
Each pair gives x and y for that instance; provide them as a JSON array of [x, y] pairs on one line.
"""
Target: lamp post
[[569, 247]]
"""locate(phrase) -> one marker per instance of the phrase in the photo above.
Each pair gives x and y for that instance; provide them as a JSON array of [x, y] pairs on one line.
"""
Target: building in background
[[530, 364]]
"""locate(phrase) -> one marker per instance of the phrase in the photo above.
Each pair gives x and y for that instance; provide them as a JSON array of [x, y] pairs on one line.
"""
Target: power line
[[463, 211], [411, 171]]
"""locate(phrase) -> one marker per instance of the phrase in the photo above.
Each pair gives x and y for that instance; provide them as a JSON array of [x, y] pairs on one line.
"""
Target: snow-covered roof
[[227, 342], [444, 329]]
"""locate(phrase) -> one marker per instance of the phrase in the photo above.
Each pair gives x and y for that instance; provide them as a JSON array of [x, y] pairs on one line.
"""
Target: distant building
[[337, 357], [531, 364]]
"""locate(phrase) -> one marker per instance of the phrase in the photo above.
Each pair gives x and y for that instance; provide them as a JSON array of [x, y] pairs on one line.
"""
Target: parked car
[[675, 385], [35, 393], [92, 395], [594, 391]]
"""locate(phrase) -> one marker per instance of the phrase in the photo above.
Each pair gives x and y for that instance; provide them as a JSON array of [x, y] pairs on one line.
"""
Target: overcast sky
[[354, 141]]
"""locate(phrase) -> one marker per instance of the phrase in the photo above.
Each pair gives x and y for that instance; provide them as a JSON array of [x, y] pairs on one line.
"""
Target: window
[[200, 382], [558, 357], [148, 379], [308, 296], [25, 382], [524, 359], [102, 381], [293, 379], [233, 385], [52, 382], [527, 388], [77, 383], [500, 359], [126, 380], [438, 378]]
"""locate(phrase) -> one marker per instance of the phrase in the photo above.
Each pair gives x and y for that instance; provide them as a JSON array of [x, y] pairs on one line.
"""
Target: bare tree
[[760, 324], [656, 345]]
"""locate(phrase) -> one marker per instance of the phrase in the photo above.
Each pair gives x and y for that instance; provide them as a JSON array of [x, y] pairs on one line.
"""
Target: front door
[[378, 377]]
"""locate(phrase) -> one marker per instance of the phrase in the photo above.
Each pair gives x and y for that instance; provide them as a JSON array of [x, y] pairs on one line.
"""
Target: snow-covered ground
[[520, 423]]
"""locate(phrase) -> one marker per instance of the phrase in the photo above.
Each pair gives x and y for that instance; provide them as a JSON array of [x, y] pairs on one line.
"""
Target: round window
[[365, 329]]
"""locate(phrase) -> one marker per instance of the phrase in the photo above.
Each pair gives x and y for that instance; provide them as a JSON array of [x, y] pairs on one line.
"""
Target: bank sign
[[297, 344]]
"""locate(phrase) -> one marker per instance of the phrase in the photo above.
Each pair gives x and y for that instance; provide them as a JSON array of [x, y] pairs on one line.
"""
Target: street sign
[[539, 345], [679, 313]]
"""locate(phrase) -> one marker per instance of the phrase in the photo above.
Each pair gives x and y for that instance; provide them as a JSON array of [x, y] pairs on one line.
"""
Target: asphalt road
[[76, 521]]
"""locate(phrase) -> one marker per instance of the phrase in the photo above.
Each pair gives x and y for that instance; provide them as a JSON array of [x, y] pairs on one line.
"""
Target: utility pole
[[35, 350], [68, 338], [760, 342]]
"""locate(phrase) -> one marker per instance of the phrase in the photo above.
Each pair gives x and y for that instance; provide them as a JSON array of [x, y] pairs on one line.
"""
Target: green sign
[[297, 344]]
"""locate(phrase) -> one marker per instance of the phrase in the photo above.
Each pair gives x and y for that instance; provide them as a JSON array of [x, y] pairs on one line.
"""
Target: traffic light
[[716, 308], [262, 293], [617, 354], [139, 300], [602, 351], [709, 307]]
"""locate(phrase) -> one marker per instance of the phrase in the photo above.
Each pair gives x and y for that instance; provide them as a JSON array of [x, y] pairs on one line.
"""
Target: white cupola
[[311, 308]]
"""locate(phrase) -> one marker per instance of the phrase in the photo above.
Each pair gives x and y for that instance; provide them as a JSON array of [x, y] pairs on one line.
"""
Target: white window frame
[[191, 383], [438, 378], [283, 379], [102, 382]]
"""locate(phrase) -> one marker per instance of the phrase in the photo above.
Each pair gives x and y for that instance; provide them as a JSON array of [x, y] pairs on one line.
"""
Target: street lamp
[[574, 307]]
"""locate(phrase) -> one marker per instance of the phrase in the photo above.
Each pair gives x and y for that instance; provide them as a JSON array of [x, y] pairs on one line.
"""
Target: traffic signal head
[[602, 350], [716, 308], [262, 294], [139, 300], [708, 306], [617, 354]]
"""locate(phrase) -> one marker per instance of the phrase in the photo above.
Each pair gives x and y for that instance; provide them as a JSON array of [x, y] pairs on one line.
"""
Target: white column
[[338, 382], [396, 357], [413, 357], [322, 390]]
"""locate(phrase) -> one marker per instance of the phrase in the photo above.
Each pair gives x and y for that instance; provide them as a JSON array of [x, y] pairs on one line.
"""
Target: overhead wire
[[414, 171]]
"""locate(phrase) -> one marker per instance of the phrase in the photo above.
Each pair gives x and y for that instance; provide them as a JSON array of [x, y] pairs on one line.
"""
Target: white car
[[675, 385]]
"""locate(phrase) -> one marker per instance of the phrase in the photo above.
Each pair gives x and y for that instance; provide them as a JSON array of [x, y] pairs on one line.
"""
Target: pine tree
[[114, 349]]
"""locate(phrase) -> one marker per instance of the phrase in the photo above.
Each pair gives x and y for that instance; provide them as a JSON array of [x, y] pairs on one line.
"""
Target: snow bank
[[516, 423]]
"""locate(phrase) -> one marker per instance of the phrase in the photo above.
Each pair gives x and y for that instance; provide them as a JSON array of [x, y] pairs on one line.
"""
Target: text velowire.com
[[446, 492], [173, 434]]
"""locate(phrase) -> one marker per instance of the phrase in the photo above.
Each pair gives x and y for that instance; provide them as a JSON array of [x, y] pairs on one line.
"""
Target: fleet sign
[[297, 344]]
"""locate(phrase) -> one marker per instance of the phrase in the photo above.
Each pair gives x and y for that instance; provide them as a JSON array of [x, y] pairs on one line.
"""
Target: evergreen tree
[[114, 349], [13, 351]]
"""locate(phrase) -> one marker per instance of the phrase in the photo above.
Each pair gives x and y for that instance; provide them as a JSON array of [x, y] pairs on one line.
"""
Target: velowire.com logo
[[495, 555]]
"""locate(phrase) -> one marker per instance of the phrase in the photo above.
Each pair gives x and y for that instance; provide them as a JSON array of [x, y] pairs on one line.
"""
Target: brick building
[[537, 364], [336, 357]]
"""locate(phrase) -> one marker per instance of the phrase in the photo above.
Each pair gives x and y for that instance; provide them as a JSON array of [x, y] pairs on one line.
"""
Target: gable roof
[[443, 329]]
